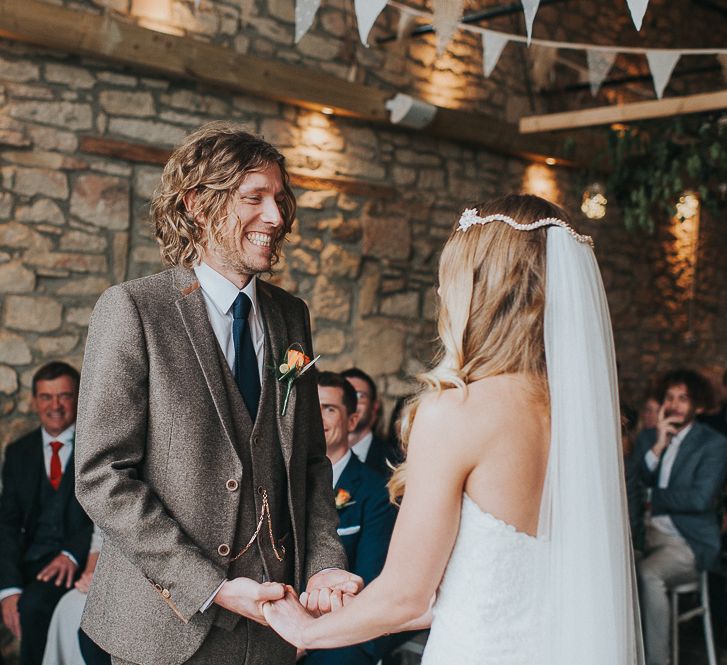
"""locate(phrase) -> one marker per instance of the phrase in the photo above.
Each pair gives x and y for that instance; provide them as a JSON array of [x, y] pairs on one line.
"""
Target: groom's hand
[[329, 589], [246, 597]]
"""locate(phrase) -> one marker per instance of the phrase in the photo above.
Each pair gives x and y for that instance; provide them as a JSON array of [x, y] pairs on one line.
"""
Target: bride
[[513, 512]]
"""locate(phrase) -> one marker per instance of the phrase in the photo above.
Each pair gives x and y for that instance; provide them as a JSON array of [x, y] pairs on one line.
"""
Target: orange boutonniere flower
[[292, 365], [343, 499]]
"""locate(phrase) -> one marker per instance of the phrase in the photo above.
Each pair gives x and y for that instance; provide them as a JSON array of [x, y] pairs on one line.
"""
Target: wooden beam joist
[[606, 115], [147, 154], [81, 32]]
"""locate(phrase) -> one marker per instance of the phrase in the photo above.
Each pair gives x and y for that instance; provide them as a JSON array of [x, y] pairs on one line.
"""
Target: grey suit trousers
[[667, 562]]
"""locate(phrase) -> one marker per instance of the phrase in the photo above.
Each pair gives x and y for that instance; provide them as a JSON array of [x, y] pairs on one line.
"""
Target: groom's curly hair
[[212, 162]]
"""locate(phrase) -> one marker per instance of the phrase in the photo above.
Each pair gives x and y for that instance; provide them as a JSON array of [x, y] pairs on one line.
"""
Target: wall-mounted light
[[551, 161], [155, 15], [326, 110], [594, 202]]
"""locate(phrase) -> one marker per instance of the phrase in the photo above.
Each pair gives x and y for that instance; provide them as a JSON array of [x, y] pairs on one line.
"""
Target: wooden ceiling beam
[[606, 115]]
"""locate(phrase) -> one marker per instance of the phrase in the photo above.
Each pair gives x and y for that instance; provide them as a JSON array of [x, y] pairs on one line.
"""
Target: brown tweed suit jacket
[[155, 454]]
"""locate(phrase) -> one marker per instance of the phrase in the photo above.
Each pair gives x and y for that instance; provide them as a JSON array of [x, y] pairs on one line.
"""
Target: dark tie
[[247, 374], [56, 471]]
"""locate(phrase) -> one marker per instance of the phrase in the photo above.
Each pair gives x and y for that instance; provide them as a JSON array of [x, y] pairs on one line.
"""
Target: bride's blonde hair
[[492, 302]]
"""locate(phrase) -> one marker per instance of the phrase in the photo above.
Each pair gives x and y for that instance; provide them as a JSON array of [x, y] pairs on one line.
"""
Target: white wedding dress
[[486, 612]]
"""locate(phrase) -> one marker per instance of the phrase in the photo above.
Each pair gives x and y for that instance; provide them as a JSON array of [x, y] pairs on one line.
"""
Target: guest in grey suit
[[208, 494], [685, 464]]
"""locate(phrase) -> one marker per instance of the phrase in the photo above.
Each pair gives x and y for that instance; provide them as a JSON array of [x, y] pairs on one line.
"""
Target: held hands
[[246, 597], [62, 569], [288, 618], [329, 590]]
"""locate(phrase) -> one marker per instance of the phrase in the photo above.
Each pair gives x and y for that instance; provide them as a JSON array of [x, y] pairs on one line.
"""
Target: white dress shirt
[[64, 452], [363, 446], [339, 466], [219, 294], [664, 523]]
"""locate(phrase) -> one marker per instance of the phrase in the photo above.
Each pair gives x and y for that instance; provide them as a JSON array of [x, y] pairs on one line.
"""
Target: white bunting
[[492, 45], [367, 11], [661, 64], [446, 17], [599, 65], [530, 7], [637, 9], [305, 13]]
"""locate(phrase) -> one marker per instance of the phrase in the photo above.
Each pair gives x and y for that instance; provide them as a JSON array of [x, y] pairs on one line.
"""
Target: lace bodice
[[486, 612]]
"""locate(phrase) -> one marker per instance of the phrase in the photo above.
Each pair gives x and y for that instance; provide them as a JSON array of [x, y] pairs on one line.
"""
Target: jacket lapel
[[193, 311], [691, 442], [36, 471], [276, 343]]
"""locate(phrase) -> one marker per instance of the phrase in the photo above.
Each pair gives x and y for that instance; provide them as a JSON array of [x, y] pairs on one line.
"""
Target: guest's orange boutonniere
[[291, 367], [343, 499]]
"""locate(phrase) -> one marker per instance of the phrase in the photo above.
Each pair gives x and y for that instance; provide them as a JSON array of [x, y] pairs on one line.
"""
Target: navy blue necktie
[[247, 374]]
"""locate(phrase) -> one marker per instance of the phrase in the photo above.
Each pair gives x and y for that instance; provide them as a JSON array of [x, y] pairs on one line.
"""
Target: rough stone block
[[380, 346], [401, 305], [101, 200], [30, 182], [85, 242], [8, 380], [148, 131], [55, 346], [387, 236], [68, 115], [33, 313], [338, 262], [331, 301], [329, 341], [13, 349], [43, 211], [66, 261], [16, 278], [18, 70], [127, 103], [79, 316], [19, 236], [74, 77]]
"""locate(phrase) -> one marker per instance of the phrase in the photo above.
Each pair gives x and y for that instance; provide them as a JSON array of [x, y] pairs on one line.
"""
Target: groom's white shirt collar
[[339, 466], [219, 294]]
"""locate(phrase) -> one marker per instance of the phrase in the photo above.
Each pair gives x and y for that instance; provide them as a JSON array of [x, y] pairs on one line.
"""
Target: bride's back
[[506, 420]]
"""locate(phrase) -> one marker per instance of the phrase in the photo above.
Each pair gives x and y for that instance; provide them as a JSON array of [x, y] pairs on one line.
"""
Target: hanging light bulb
[[687, 207], [594, 202]]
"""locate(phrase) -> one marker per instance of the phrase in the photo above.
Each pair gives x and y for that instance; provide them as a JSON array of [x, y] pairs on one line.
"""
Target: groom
[[209, 495]]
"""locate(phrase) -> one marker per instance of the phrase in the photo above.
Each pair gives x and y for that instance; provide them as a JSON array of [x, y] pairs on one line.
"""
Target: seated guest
[[366, 517], [648, 413], [369, 448], [44, 532], [63, 646], [685, 464]]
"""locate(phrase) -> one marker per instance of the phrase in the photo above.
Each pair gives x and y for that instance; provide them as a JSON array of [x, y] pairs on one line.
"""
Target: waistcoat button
[[223, 550], [232, 485]]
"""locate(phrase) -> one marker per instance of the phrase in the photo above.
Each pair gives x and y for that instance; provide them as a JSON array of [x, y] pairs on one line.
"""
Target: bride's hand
[[288, 618]]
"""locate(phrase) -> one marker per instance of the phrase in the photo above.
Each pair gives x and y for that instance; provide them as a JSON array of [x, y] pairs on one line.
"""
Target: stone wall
[[72, 223]]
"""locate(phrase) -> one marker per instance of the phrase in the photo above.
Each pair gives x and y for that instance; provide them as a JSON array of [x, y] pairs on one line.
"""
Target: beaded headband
[[470, 217]]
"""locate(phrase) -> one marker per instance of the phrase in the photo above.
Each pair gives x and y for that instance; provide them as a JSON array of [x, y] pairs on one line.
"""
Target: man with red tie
[[44, 532]]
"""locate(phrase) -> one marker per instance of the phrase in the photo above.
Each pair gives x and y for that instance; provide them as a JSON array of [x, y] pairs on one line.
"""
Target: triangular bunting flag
[[447, 14], [530, 7], [661, 64], [367, 11], [305, 13], [492, 45], [599, 65], [637, 9]]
